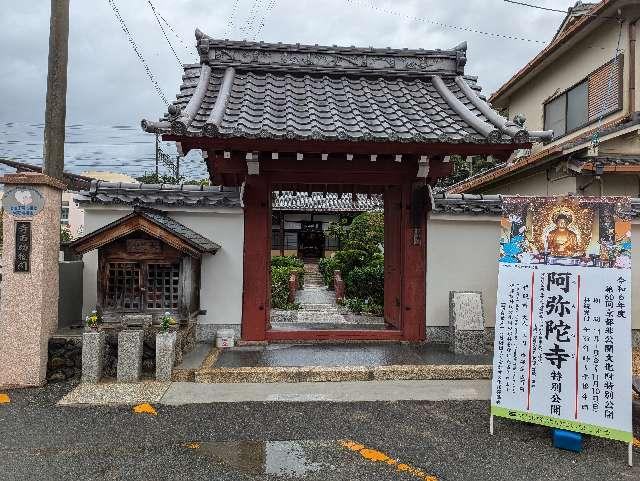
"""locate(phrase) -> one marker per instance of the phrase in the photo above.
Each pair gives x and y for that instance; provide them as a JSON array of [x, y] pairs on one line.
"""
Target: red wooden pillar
[[414, 269], [257, 256], [393, 256]]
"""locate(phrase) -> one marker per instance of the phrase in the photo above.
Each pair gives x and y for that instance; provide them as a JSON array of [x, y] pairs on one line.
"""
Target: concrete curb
[[340, 374]]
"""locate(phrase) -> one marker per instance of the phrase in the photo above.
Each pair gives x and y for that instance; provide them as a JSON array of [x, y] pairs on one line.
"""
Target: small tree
[[366, 232]]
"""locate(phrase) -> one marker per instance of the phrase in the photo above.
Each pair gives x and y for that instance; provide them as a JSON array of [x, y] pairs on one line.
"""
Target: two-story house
[[585, 86]]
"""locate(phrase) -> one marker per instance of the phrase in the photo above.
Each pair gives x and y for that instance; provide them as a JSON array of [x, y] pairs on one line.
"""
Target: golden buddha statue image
[[562, 241]]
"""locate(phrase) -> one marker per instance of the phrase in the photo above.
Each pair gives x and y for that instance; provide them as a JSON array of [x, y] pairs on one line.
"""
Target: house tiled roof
[[506, 169], [488, 205], [277, 91], [158, 195], [329, 202]]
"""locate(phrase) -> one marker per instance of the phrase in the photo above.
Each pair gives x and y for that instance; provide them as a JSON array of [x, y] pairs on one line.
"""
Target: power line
[[153, 9], [565, 12], [246, 28], [441, 24], [190, 49], [267, 11], [116, 12], [232, 17], [537, 6]]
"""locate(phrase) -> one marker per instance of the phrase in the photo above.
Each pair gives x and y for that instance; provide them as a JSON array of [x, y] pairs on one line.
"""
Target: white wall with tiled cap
[[221, 274]]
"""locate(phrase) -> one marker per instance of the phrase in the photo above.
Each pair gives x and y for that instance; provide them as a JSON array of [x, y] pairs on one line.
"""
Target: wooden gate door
[[393, 256]]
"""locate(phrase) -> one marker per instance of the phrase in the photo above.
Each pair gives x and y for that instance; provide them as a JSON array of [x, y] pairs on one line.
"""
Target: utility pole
[[56, 108]]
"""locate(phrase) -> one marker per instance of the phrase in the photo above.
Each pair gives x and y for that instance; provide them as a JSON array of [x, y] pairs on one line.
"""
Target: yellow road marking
[[380, 457], [193, 445], [636, 442], [145, 408], [4, 398]]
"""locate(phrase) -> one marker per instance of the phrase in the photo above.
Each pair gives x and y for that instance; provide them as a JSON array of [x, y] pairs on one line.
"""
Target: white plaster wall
[[462, 254], [221, 274]]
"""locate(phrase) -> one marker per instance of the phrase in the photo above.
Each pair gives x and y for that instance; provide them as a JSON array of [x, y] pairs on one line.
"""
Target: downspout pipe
[[633, 32]]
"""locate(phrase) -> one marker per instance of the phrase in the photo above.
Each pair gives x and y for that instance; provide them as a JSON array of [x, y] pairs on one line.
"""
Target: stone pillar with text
[[29, 289]]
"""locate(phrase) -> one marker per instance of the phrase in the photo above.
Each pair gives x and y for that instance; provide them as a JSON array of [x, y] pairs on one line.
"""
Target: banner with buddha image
[[562, 349]]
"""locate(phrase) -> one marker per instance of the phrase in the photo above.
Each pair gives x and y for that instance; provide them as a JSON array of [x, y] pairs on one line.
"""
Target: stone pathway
[[318, 306]]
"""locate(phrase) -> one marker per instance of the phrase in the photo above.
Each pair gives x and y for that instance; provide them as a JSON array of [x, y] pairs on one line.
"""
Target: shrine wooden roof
[[250, 90], [153, 222]]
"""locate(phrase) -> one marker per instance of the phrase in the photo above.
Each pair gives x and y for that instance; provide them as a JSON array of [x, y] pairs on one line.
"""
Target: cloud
[[107, 84]]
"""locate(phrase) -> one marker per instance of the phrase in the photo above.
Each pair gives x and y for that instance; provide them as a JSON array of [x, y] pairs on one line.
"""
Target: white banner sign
[[562, 351]]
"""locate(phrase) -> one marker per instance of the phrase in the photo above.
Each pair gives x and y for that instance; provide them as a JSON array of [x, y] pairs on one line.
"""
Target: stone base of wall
[[207, 332], [442, 335], [65, 352], [65, 358]]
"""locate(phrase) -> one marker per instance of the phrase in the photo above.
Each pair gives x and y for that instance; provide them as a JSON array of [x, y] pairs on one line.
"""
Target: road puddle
[[277, 458]]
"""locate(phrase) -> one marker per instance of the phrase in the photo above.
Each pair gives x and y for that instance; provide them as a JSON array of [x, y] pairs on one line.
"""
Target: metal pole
[[157, 158], [56, 108], [178, 169]]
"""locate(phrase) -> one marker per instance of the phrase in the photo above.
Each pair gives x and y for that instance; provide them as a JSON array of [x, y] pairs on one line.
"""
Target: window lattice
[[163, 282], [123, 286]]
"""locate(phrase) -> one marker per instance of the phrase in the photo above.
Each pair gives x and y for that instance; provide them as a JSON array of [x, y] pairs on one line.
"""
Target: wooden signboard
[[23, 247]]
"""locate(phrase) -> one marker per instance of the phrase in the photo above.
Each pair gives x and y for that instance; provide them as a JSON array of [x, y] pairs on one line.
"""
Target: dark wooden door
[[393, 256]]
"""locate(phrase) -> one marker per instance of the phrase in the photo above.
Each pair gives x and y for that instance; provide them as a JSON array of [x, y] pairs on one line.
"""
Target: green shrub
[[349, 259], [326, 267], [366, 283], [292, 263], [355, 305], [280, 288]]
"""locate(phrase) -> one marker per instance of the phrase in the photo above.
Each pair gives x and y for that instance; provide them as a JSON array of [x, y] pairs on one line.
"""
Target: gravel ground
[[636, 362], [449, 440]]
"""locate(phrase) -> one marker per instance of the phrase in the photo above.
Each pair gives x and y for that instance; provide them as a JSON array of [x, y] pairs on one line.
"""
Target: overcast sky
[[107, 83]]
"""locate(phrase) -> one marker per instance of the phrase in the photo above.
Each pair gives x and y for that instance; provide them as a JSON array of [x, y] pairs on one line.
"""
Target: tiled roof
[[329, 202], [276, 91], [189, 236], [488, 205], [159, 195]]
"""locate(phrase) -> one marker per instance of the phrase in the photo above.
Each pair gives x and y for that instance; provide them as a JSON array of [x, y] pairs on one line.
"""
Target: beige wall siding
[[462, 255], [536, 184], [570, 68]]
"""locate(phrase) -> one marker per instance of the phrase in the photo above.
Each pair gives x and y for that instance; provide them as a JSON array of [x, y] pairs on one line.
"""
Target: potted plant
[[165, 347], [93, 347], [93, 320], [167, 321]]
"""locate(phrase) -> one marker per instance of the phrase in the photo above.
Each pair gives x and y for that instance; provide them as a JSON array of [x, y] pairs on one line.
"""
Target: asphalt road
[[448, 441]]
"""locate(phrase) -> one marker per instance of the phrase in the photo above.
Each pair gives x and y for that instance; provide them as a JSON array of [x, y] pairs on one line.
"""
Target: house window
[[291, 240], [598, 94], [64, 215], [276, 240], [568, 111]]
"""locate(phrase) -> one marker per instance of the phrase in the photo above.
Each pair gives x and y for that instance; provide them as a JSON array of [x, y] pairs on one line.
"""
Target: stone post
[[93, 344], [130, 346], [466, 323], [30, 252], [165, 355]]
